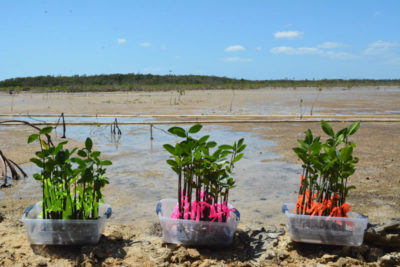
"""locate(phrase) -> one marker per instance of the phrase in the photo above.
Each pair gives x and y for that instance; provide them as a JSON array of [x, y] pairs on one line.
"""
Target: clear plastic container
[[188, 232], [342, 231], [63, 232]]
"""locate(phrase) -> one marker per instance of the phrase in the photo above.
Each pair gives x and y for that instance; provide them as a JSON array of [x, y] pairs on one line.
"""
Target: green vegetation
[[326, 169], [137, 82], [209, 174], [71, 185]]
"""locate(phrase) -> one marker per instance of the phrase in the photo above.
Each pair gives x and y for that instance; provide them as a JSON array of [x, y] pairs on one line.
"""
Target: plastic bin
[[344, 231], [188, 232], [63, 232]]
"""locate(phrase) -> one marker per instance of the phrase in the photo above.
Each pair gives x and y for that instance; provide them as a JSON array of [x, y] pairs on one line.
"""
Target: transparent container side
[[188, 232], [63, 232], [345, 231]]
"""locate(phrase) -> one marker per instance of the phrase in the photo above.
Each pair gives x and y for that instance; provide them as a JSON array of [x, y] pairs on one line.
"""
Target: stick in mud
[[4, 170]]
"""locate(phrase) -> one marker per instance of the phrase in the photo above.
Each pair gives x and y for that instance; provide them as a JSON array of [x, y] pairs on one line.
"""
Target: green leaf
[[82, 153], [315, 147], [303, 144], [105, 163], [211, 144], [237, 158], [354, 128], [195, 128], [240, 142], [37, 176], [309, 137], [225, 147], [95, 154], [32, 138], [339, 140], [88, 144], [351, 187], [46, 130], [342, 132], [78, 161], [172, 163], [203, 139], [301, 153], [241, 148], [169, 148], [37, 162], [330, 151], [345, 153], [178, 131], [327, 128], [61, 157]]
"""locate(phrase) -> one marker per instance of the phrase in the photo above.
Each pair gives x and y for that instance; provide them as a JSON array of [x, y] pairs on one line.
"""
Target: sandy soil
[[269, 101], [377, 178]]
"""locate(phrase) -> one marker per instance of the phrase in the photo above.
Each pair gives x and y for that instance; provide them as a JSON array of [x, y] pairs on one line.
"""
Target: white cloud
[[379, 47], [339, 55], [288, 35], [237, 59], [258, 48], [296, 50], [287, 50], [163, 47], [145, 44], [331, 45], [234, 48], [121, 41]]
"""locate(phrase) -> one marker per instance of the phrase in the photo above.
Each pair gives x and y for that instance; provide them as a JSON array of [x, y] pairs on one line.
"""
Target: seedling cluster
[[326, 169], [71, 182], [205, 173]]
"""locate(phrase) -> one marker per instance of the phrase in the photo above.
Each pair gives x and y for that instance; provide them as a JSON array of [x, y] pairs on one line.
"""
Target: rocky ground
[[253, 245]]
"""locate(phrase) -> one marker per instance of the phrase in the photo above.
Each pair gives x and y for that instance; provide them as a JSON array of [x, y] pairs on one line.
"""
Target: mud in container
[[63, 232], [343, 231], [193, 233]]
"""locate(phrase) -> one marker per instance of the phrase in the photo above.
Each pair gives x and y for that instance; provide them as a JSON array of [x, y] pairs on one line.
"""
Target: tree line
[[115, 82]]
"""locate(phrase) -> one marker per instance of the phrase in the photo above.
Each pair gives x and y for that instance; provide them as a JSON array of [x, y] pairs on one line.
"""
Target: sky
[[254, 40]]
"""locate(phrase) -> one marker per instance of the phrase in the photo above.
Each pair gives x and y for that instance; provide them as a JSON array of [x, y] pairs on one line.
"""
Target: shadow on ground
[[111, 246]]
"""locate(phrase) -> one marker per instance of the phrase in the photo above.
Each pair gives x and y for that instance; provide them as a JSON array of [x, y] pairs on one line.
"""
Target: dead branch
[[32, 125]]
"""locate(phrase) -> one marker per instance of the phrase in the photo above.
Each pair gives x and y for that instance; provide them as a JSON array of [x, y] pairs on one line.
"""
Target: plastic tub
[[63, 232], [342, 231], [188, 232]]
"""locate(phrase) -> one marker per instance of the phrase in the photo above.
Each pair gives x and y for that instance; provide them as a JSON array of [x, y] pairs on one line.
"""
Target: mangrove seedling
[[206, 173], [72, 179], [326, 169]]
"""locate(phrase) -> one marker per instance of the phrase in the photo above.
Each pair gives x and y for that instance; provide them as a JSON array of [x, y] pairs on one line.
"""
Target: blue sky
[[240, 39]]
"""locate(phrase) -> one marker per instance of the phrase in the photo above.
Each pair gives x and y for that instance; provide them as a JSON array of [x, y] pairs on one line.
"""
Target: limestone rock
[[385, 234], [328, 258], [193, 253], [391, 259]]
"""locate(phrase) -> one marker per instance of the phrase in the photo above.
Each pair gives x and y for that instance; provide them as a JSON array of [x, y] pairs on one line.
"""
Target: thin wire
[[162, 130], [29, 116]]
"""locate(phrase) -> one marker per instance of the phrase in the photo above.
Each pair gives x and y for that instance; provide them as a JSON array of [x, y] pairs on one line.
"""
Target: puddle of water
[[140, 177], [393, 111]]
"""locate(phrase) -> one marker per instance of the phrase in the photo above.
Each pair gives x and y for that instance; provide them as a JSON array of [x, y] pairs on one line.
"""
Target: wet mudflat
[[140, 177]]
